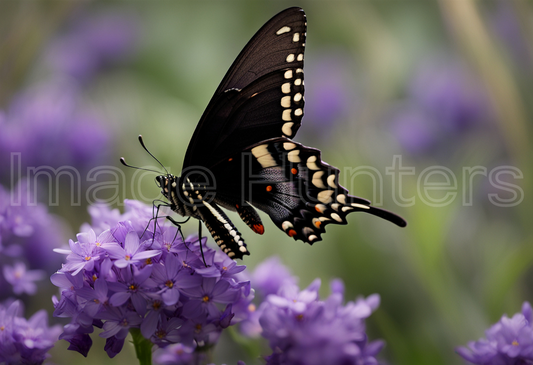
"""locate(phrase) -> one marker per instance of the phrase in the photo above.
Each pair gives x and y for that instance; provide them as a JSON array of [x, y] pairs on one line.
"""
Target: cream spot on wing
[[286, 115], [289, 146], [297, 97], [311, 163], [286, 101], [317, 180], [283, 30], [331, 181], [298, 112], [293, 156], [287, 128], [286, 225], [263, 156], [336, 217], [296, 37], [298, 82], [325, 196], [300, 57], [341, 198], [321, 208], [290, 58], [286, 88], [288, 74], [360, 206]]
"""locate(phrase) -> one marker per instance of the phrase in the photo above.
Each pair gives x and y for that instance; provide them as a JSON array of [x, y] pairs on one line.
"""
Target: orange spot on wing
[[258, 228], [269, 188], [317, 209], [317, 224], [294, 171], [291, 233], [230, 159]]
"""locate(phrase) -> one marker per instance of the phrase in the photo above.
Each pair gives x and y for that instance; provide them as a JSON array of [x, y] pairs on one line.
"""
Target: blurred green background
[[445, 86]]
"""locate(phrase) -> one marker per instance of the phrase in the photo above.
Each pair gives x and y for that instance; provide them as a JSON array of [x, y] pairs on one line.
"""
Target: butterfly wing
[[260, 97], [290, 182]]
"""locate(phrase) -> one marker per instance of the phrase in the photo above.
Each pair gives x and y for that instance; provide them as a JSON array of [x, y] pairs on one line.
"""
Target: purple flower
[[119, 275], [270, 276], [134, 286], [302, 329], [25, 341], [23, 280], [203, 298], [171, 280], [177, 354], [508, 342], [131, 253]]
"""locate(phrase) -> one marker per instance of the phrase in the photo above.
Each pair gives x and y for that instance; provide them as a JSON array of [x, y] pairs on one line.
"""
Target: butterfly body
[[242, 154]]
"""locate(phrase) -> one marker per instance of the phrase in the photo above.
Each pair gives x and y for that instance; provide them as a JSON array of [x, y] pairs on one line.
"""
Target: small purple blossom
[[23, 280], [25, 341], [131, 253], [177, 354], [507, 342]]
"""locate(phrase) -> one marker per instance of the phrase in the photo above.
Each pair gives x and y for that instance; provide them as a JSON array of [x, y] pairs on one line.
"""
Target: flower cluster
[[51, 123], [508, 342], [130, 272], [25, 341], [28, 233], [301, 328]]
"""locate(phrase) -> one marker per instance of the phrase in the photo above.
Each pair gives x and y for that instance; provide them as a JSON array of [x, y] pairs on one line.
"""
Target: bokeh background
[[442, 87]]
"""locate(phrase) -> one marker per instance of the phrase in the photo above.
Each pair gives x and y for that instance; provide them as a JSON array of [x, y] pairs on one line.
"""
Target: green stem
[[143, 347]]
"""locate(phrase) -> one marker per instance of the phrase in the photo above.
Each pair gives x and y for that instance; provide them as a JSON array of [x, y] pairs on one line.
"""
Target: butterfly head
[[168, 184]]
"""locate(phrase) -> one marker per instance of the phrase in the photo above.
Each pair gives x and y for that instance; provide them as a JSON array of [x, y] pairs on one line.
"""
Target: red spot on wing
[[291, 233], [258, 228]]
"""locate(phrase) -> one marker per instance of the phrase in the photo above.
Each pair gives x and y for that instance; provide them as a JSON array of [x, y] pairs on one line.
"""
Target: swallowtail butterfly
[[242, 155]]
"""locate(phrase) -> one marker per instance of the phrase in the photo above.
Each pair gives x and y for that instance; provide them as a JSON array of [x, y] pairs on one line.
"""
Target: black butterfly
[[242, 156]]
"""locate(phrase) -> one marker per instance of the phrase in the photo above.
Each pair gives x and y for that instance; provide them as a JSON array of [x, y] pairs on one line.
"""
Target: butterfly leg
[[200, 241], [178, 224]]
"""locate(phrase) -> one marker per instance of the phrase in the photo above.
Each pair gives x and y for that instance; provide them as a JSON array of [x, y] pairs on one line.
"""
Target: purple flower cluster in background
[[93, 42], [25, 341], [51, 123], [444, 102], [301, 328], [508, 342], [122, 274], [28, 233]]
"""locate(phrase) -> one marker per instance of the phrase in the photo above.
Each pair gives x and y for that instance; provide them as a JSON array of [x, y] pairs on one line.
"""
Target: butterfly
[[242, 155]]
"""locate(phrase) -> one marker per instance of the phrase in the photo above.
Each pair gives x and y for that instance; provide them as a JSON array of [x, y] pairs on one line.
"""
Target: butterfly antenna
[[123, 161], [150, 153]]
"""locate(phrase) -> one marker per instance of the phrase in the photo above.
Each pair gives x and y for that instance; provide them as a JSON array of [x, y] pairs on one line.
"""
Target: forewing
[[261, 95]]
